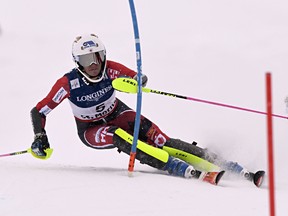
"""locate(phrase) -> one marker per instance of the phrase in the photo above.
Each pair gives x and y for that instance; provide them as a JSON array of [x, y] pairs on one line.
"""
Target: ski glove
[[143, 81], [40, 144]]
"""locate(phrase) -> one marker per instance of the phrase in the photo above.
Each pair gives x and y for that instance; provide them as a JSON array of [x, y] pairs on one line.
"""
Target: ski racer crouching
[[99, 114]]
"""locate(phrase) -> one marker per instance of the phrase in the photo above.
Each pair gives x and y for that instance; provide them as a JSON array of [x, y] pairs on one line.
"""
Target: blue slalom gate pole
[[139, 89]]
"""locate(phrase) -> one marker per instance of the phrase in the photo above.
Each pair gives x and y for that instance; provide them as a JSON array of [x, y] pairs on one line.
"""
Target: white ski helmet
[[86, 50]]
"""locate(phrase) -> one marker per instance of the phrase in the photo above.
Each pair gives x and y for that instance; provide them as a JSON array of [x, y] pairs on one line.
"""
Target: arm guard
[[38, 121]]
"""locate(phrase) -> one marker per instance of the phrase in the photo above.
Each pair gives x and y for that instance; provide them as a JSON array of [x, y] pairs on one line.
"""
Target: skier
[[98, 114]]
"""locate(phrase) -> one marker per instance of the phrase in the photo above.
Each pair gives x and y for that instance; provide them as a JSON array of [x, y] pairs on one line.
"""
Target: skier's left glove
[[143, 81], [40, 145]]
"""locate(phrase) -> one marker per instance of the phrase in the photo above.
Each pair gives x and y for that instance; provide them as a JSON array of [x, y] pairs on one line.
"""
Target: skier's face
[[93, 70]]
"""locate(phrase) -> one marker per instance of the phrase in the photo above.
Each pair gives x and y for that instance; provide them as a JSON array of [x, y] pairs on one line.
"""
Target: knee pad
[[150, 132]]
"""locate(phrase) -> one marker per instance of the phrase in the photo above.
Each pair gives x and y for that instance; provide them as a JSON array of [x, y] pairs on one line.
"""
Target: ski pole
[[48, 153], [15, 153], [130, 86]]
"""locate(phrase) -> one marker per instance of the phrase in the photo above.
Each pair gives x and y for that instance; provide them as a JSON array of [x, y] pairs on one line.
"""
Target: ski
[[210, 177], [257, 178]]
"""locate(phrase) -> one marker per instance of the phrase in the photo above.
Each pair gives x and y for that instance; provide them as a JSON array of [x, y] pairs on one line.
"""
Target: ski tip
[[258, 178], [219, 176], [211, 177]]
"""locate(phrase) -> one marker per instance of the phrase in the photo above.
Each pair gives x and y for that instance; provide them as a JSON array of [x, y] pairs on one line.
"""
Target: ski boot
[[178, 167], [257, 178]]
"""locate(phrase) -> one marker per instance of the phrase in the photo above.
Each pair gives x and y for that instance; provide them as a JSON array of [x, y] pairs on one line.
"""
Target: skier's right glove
[[40, 145], [144, 79]]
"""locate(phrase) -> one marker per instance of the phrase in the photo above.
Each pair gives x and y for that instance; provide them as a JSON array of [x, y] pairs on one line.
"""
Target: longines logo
[[94, 96]]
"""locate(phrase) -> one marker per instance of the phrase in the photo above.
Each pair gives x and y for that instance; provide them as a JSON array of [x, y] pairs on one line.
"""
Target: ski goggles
[[88, 59]]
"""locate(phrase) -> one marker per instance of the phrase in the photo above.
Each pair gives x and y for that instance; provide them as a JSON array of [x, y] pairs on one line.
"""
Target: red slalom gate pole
[[270, 143]]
